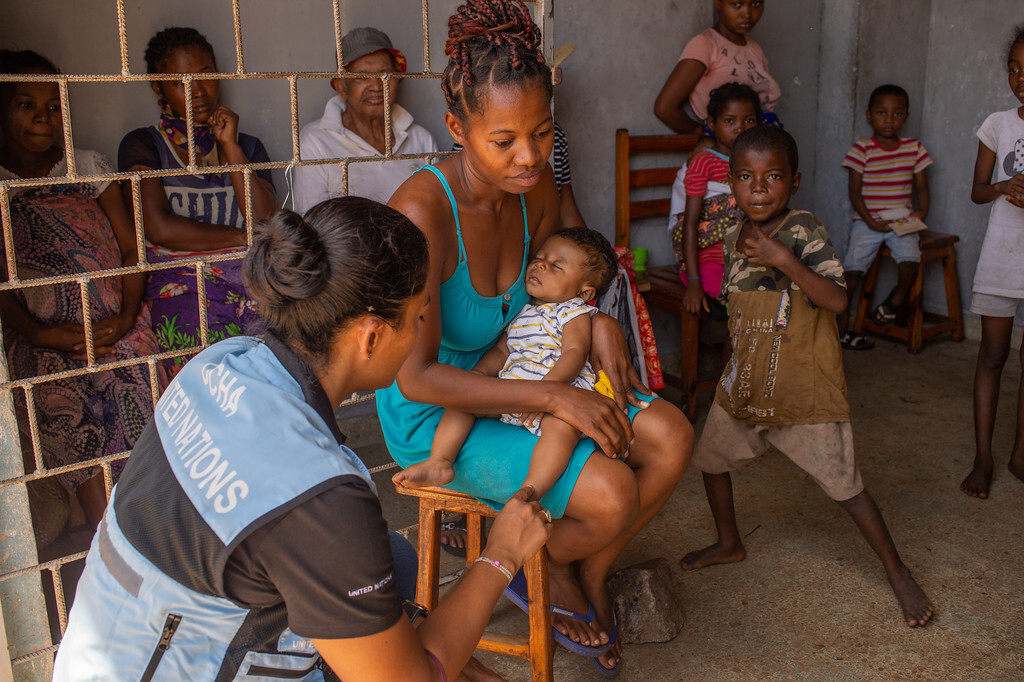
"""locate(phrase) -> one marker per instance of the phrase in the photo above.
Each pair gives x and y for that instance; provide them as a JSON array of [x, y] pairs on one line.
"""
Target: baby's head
[[573, 263], [763, 172], [888, 108]]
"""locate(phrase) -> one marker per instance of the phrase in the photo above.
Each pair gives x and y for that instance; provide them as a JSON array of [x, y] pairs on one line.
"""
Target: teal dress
[[493, 462]]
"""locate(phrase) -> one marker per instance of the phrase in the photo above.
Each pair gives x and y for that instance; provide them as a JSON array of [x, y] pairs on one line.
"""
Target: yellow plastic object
[[603, 386]]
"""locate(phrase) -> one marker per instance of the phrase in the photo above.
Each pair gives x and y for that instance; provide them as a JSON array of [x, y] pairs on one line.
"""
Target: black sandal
[[886, 312], [851, 341]]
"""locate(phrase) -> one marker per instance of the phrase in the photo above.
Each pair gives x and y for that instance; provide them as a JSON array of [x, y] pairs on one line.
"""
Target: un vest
[[233, 444]]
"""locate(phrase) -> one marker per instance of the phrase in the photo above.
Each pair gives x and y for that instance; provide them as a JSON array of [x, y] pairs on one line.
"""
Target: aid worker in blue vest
[[244, 540]]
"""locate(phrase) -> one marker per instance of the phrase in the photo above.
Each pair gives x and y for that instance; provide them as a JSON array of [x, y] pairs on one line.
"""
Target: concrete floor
[[811, 601]]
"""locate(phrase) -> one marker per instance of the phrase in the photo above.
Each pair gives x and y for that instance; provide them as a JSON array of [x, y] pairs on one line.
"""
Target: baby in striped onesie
[[549, 339]]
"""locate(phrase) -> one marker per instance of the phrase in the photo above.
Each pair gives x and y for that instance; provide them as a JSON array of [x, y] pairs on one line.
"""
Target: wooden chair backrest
[[626, 179]]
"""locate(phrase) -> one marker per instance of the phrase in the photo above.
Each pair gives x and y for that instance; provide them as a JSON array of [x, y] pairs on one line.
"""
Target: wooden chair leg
[[429, 555], [542, 643], [690, 341], [474, 537], [952, 280], [915, 323]]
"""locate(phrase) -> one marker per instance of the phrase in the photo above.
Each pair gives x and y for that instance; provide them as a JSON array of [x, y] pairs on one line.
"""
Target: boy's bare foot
[[917, 608], [978, 481], [714, 554], [566, 592], [424, 474]]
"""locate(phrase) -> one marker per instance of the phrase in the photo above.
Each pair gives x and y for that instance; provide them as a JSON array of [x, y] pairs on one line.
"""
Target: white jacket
[[329, 139]]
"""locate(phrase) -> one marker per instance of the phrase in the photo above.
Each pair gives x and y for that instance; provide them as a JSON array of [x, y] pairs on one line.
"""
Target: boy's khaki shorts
[[825, 451]]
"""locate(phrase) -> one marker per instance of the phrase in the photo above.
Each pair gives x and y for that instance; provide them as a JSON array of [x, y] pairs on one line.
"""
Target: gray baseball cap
[[360, 42]]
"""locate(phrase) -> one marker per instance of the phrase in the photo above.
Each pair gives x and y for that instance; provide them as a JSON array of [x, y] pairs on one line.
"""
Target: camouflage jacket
[[802, 234]]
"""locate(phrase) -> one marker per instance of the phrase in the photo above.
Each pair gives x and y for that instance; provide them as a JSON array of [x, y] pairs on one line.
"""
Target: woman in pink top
[[719, 55]]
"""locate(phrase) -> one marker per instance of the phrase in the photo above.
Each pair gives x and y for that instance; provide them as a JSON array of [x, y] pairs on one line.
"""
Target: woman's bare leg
[[603, 506], [658, 457]]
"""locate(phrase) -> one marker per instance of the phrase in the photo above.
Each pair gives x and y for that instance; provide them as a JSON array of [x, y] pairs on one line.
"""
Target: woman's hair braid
[[490, 42]]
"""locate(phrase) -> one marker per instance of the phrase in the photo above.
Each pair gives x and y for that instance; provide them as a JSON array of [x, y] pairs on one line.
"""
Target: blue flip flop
[[614, 670], [518, 594]]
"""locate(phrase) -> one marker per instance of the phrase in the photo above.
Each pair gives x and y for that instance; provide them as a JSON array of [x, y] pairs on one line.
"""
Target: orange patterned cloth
[[655, 379]]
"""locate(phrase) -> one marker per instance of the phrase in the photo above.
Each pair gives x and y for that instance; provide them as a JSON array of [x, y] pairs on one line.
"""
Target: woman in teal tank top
[[484, 212]]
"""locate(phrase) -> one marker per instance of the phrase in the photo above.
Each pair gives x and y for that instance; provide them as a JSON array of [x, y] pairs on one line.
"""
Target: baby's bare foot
[[917, 608], [978, 481], [714, 554], [424, 475]]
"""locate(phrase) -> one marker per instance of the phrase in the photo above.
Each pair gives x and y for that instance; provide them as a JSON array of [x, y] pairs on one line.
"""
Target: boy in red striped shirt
[[887, 179]]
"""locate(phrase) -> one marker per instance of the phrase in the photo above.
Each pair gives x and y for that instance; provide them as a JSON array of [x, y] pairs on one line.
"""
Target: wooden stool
[[934, 245], [539, 648]]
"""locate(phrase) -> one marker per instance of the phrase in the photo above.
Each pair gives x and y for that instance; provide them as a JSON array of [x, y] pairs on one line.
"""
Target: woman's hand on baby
[[693, 298], [608, 351], [596, 417], [519, 531], [531, 418], [224, 124]]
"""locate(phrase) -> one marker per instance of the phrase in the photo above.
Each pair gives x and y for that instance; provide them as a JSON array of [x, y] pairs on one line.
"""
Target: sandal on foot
[[517, 593], [614, 670], [885, 313], [459, 523], [851, 341]]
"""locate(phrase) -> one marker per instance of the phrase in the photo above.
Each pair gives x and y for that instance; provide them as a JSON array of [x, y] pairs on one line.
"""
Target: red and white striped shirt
[[888, 174]]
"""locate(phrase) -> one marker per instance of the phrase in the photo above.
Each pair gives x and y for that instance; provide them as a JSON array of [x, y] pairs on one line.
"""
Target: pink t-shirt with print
[[727, 62]]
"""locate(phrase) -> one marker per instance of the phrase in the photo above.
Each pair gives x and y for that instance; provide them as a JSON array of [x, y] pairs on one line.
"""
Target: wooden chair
[[934, 246], [666, 290], [539, 648]]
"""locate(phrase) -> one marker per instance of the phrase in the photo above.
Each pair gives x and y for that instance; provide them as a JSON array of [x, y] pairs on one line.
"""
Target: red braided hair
[[490, 42]]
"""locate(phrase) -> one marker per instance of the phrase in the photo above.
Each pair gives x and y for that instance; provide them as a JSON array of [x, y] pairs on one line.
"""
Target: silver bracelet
[[497, 565]]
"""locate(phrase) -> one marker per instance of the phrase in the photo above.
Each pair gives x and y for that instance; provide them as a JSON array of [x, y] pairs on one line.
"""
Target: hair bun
[[287, 261]]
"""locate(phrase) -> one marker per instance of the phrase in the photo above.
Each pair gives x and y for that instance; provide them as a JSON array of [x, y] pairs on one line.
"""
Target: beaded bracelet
[[497, 565]]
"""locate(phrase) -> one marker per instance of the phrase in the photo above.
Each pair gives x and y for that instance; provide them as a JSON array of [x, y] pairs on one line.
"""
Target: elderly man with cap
[[353, 125]]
